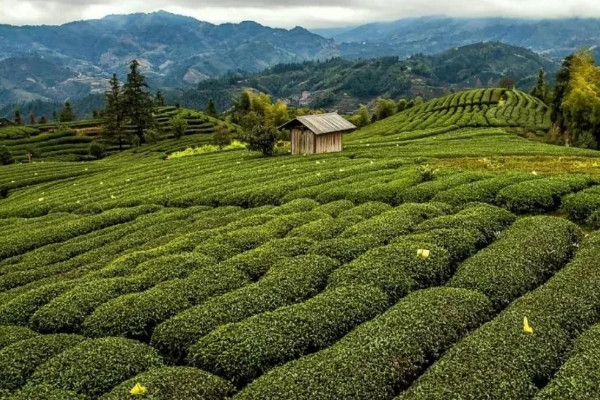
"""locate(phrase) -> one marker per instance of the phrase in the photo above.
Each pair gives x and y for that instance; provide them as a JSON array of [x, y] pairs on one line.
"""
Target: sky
[[290, 13]]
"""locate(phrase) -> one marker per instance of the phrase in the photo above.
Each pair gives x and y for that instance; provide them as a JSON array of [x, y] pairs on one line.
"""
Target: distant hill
[[552, 37], [58, 62], [342, 84]]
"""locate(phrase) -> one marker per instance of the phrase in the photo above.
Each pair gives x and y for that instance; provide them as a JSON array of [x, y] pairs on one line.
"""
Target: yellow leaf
[[423, 253], [138, 389], [526, 328]]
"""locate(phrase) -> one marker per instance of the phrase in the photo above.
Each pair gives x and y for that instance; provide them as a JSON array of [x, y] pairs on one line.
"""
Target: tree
[[541, 88], [18, 120], [211, 109], [114, 112], [262, 138], [507, 83], [96, 150], [560, 91], [138, 102], [43, 120], [362, 118], [402, 105], [159, 99], [178, 125], [384, 108], [6, 156], [31, 119], [221, 137], [66, 114]]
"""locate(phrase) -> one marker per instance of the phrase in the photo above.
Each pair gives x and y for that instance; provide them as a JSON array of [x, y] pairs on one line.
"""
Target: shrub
[[93, 367], [579, 377], [381, 355], [326, 228], [396, 222], [19, 360], [6, 156], [484, 191], [459, 243], [243, 351], [10, 334], [427, 190], [261, 138], [135, 315], [334, 208], [541, 195], [221, 137], [502, 361], [45, 392], [345, 249], [367, 210], [181, 383], [396, 269], [294, 280], [581, 205], [19, 310], [488, 221], [522, 258], [97, 150]]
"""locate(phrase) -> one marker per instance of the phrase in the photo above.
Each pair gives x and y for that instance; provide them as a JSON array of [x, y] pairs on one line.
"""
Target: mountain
[[344, 84], [58, 62], [552, 37]]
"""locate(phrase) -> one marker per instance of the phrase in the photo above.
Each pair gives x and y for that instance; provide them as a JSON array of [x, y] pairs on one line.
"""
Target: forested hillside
[[343, 84]]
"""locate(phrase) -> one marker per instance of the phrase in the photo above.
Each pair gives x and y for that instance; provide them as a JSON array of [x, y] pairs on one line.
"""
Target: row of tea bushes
[[500, 360]]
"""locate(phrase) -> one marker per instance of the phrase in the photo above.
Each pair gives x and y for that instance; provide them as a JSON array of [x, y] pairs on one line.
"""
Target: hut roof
[[321, 124]]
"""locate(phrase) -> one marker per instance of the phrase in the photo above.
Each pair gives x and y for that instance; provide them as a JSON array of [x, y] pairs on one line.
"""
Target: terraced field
[[401, 268], [71, 142]]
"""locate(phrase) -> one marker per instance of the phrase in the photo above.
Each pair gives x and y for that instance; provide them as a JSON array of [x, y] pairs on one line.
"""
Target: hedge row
[[335, 208], [367, 210], [424, 192], [136, 314], [379, 356], [396, 222], [579, 377], [45, 392], [541, 195], [484, 190], [28, 240], [292, 281], [525, 255], [500, 361], [326, 228], [10, 334], [345, 249], [94, 367], [487, 220], [67, 312], [19, 360], [580, 206], [169, 383], [396, 269], [459, 243], [243, 351]]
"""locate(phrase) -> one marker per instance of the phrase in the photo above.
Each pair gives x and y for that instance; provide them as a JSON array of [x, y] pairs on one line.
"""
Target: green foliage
[[261, 138], [525, 256], [381, 355], [221, 137], [137, 102], [167, 383], [384, 108], [67, 114], [97, 150], [112, 361], [178, 126], [10, 334], [211, 109], [19, 360], [6, 156], [45, 392]]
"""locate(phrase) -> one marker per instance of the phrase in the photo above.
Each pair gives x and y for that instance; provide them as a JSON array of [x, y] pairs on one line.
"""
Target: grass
[[401, 267]]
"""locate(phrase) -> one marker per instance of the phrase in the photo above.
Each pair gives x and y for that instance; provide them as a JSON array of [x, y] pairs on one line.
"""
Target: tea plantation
[[401, 268]]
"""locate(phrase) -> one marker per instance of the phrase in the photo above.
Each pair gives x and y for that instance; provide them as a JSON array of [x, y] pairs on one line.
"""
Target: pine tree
[[18, 120], [114, 112], [138, 102], [67, 114], [211, 109], [43, 120], [541, 89], [32, 119]]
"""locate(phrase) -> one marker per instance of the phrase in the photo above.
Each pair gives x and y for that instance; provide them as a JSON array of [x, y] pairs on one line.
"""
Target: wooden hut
[[315, 134]]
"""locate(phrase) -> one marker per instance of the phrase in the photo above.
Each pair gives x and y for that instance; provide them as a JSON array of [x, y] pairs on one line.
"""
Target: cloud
[[289, 13]]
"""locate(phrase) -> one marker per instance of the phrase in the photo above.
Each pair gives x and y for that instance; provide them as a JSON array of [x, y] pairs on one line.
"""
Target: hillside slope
[[401, 268], [343, 85]]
